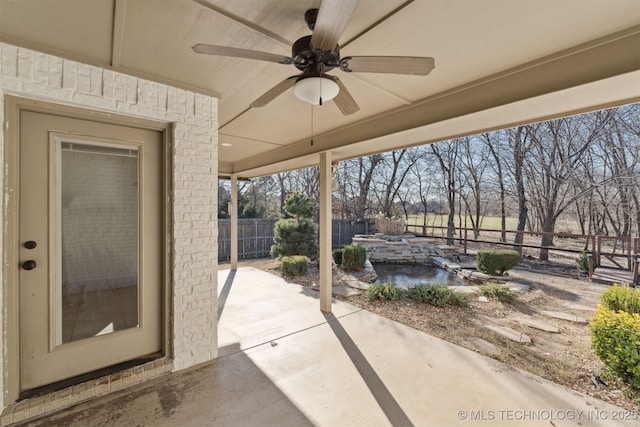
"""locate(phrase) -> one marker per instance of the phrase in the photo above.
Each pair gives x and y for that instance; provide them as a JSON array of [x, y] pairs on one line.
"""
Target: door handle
[[29, 265]]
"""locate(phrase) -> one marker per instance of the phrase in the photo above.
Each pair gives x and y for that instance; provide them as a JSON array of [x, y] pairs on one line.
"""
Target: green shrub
[[295, 265], [353, 258], [383, 291], [622, 298], [294, 237], [459, 299], [337, 256], [616, 341], [502, 293], [497, 261], [583, 262], [297, 235], [438, 295]]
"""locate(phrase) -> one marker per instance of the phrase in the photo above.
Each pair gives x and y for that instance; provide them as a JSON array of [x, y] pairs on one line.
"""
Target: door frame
[[10, 242]]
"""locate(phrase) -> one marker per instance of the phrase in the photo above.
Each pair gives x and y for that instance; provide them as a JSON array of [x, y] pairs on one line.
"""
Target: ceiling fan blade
[[235, 52], [412, 65], [332, 20], [344, 101], [274, 92]]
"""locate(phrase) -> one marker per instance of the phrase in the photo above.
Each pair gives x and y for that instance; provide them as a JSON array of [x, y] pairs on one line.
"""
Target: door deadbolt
[[29, 265], [30, 244]]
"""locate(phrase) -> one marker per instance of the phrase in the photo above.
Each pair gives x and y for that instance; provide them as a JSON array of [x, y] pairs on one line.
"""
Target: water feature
[[406, 275]]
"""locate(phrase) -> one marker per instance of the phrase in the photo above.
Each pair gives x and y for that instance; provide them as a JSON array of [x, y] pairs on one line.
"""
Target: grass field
[[489, 222]]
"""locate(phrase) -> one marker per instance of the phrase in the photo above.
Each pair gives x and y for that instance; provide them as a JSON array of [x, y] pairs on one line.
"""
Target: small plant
[[438, 295], [383, 291], [337, 256], [353, 258], [295, 265], [497, 261], [583, 262], [502, 293], [616, 341], [618, 298]]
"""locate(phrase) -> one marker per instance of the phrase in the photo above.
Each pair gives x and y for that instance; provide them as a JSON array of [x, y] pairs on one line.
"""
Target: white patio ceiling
[[498, 63]]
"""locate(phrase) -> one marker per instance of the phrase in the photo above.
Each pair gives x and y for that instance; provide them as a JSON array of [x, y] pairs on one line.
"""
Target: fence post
[[465, 240], [255, 223]]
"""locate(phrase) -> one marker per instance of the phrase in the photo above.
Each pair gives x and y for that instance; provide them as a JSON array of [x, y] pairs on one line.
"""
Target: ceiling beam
[[117, 36], [610, 56], [244, 22]]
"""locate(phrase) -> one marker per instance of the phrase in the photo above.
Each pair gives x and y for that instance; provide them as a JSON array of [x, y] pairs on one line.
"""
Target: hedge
[[353, 258], [497, 261], [295, 265], [616, 341]]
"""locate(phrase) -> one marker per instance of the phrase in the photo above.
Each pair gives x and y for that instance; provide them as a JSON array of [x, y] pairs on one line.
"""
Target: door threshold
[[69, 382]]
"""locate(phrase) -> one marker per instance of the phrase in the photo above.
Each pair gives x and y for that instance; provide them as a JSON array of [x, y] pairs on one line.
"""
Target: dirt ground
[[557, 285]]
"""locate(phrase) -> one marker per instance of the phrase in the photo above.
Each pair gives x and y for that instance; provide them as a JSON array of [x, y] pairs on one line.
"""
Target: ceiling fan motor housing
[[305, 55]]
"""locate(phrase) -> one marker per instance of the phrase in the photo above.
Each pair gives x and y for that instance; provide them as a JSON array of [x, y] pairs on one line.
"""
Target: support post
[[325, 232], [234, 222]]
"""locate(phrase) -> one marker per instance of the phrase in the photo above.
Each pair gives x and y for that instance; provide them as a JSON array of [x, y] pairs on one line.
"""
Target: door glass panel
[[97, 271]]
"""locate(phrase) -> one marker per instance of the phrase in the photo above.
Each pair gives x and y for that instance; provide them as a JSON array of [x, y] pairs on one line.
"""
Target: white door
[[91, 246]]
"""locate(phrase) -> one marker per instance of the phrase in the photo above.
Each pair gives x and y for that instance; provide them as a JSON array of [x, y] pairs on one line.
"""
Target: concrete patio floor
[[284, 363]]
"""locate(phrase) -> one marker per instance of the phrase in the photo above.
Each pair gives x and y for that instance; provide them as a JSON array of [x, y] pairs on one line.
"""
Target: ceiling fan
[[319, 53]]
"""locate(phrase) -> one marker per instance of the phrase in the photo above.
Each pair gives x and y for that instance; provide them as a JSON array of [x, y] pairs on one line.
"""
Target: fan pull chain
[[311, 124], [320, 92]]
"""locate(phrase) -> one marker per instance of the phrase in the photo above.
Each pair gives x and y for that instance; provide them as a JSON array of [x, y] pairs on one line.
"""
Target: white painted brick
[[120, 87], [41, 68], [108, 84], [9, 61], [25, 64], [96, 81], [69, 75], [132, 89], [55, 72], [162, 97], [83, 79]]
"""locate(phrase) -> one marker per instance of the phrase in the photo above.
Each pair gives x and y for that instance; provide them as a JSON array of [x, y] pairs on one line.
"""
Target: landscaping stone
[[401, 249], [481, 346], [565, 316], [483, 299], [536, 324], [504, 331], [580, 307], [509, 333]]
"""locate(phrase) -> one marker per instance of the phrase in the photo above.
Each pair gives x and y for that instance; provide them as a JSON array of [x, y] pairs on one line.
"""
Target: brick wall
[[31, 74]]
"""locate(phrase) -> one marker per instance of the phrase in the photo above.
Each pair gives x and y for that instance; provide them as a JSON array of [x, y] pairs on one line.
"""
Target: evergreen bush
[[337, 256], [438, 295], [502, 293], [295, 265], [297, 235], [493, 261], [353, 258], [383, 291], [583, 261]]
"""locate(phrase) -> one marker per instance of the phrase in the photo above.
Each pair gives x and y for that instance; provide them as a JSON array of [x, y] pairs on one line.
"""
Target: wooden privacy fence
[[255, 236]]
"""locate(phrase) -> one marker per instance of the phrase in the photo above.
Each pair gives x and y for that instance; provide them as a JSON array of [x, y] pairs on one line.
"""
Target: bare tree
[[447, 154]]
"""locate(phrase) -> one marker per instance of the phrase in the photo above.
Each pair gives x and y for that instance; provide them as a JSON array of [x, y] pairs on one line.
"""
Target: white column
[[325, 232], [234, 222]]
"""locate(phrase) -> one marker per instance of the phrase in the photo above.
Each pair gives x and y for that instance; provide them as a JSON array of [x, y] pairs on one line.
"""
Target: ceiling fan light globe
[[312, 89]]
